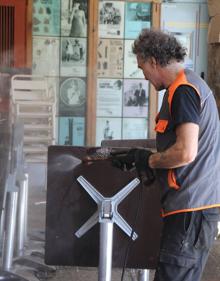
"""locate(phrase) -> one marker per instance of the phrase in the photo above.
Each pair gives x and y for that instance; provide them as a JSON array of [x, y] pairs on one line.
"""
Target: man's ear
[[153, 61]]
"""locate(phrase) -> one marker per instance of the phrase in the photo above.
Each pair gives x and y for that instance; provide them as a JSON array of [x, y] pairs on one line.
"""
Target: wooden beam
[[92, 72], [153, 95], [29, 34]]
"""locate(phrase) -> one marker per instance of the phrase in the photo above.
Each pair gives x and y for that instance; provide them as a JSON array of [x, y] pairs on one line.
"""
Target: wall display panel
[[46, 17], [137, 17], [111, 19], [72, 99], [107, 129], [135, 128], [135, 98], [45, 56], [131, 69], [188, 22], [72, 131], [110, 58], [109, 97], [74, 17], [73, 57]]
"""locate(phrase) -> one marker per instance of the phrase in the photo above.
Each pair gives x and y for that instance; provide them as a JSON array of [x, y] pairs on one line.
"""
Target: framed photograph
[[137, 17], [74, 17], [72, 131], [45, 48], [110, 58], [135, 98], [46, 17], [73, 57], [109, 97], [107, 129], [111, 19], [131, 69], [135, 128], [72, 99]]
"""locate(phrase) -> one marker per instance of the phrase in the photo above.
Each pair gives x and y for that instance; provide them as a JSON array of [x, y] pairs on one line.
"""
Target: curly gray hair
[[162, 46]]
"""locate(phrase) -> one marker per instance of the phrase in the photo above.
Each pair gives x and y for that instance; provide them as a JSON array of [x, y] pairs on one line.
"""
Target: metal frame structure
[[107, 214]]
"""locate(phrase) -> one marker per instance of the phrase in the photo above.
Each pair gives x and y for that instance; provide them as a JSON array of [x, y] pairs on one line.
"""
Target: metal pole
[[26, 183], [21, 219], [2, 223], [8, 248], [105, 251], [144, 275]]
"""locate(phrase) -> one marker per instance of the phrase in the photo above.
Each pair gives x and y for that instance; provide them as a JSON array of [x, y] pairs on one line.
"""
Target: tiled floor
[[32, 267]]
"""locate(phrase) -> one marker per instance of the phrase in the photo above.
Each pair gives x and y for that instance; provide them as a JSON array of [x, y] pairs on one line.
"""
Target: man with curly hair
[[187, 161]]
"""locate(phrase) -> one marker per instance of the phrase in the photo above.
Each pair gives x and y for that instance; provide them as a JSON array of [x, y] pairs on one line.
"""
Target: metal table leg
[[11, 212]]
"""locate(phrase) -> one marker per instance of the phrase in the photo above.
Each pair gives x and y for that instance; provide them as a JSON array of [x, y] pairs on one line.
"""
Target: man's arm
[[182, 152]]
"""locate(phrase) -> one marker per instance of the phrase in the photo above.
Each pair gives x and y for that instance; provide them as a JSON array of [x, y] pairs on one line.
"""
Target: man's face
[[151, 72]]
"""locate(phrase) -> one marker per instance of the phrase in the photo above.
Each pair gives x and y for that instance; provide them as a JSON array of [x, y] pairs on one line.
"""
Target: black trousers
[[185, 244]]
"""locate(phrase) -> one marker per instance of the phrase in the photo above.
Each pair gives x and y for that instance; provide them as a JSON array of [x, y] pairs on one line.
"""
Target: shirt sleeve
[[185, 106]]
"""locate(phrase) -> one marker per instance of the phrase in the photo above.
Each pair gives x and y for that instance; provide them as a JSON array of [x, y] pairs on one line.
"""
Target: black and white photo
[[72, 97], [74, 16], [73, 57], [111, 19], [135, 98]]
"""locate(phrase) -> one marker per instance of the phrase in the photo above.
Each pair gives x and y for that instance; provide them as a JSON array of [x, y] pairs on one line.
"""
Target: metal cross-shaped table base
[[106, 215]]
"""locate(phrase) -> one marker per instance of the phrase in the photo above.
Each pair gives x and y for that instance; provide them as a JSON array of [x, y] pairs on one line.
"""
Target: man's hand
[[135, 158], [124, 160]]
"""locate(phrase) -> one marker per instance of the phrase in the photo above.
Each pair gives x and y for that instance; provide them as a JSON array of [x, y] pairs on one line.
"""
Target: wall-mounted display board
[[109, 97], [44, 48], [46, 17], [189, 23], [72, 99], [108, 129], [135, 128], [131, 69], [137, 17], [74, 18], [88, 48], [73, 57], [110, 58], [72, 130], [135, 98], [111, 19]]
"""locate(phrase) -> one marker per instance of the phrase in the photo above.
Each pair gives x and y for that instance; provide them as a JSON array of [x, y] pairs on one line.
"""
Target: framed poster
[[73, 57], [72, 131], [111, 19], [74, 16], [137, 17], [135, 98], [109, 97], [46, 17], [45, 48], [107, 129], [131, 69], [135, 128], [110, 58], [72, 99]]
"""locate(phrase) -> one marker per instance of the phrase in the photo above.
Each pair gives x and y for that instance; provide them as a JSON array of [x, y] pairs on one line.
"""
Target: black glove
[[142, 166], [137, 158], [124, 160]]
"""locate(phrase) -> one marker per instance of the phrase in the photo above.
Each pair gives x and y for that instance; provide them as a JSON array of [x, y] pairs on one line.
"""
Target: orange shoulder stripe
[[180, 80]]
